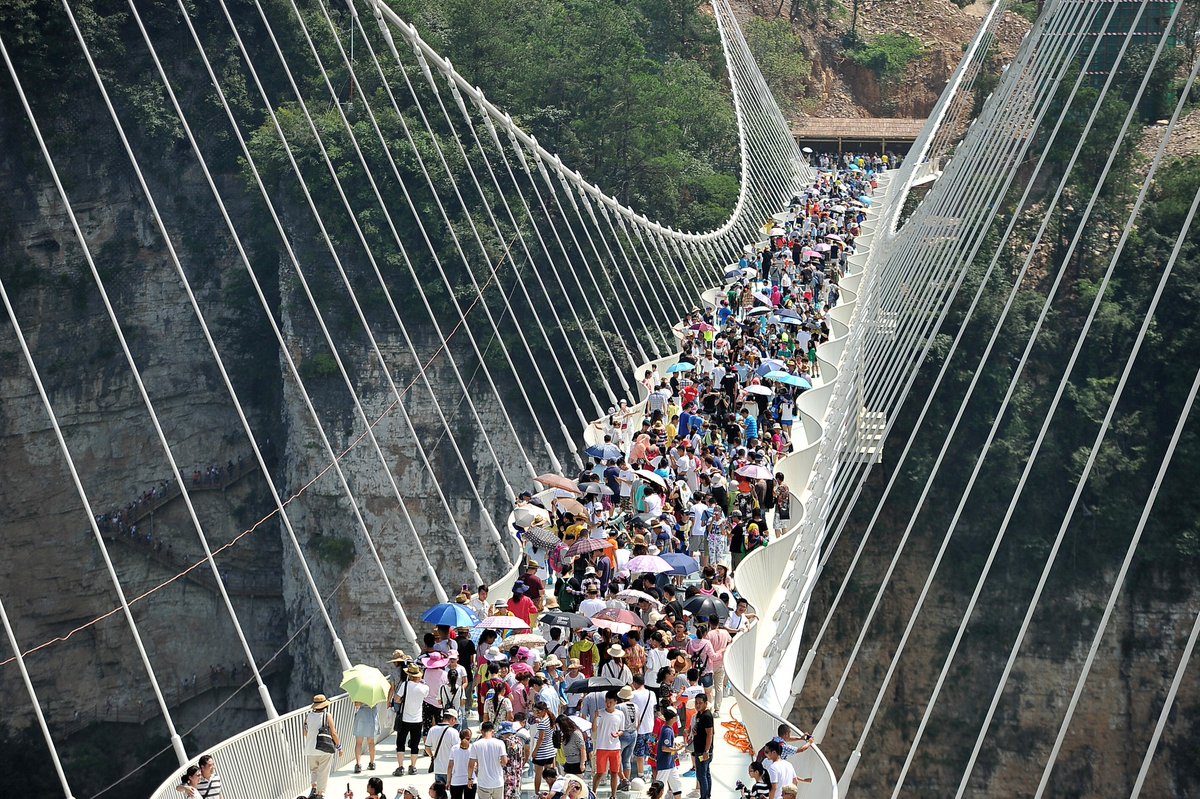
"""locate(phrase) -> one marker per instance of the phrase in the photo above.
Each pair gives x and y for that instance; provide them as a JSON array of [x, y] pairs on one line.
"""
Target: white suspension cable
[[977, 373], [55, 760], [911, 253], [467, 469], [977, 467], [474, 230], [1134, 541], [176, 741]]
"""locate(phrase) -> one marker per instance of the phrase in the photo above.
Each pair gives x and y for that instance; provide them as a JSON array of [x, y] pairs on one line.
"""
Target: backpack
[[699, 662]]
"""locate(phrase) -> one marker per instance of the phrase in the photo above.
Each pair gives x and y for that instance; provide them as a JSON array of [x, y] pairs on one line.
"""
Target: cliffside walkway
[[123, 526]]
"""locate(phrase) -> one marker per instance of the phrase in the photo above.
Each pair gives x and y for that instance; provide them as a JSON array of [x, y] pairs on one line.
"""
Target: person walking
[[366, 730], [321, 744], [485, 773], [459, 767], [666, 767], [409, 701], [572, 743], [544, 751], [703, 733], [439, 744], [607, 728]]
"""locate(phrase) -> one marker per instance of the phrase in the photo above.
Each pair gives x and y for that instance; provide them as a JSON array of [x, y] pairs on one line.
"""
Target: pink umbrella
[[618, 616], [503, 623], [810, 254], [617, 627], [755, 472], [651, 564]]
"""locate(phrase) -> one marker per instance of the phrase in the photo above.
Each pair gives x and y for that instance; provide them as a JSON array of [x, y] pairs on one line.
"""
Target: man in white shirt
[[741, 617], [440, 742], [488, 759], [479, 602], [626, 478], [780, 770], [606, 738], [643, 704], [543, 691], [593, 604], [698, 542]]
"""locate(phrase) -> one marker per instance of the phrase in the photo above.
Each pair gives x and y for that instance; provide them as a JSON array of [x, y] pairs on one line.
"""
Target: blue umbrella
[[681, 565], [733, 274], [682, 366], [865, 200], [854, 168], [606, 452], [785, 320], [768, 366], [450, 614], [789, 379]]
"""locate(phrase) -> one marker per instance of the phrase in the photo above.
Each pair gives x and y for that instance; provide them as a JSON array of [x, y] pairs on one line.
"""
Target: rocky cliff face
[[52, 575], [1111, 728]]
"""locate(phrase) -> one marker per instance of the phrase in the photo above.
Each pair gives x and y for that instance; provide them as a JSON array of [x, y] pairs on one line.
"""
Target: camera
[[741, 786]]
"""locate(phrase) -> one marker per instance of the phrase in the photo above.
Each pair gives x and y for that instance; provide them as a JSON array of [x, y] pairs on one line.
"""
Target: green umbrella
[[365, 684]]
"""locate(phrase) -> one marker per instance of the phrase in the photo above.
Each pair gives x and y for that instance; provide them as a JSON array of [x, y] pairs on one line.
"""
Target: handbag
[[325, 737]]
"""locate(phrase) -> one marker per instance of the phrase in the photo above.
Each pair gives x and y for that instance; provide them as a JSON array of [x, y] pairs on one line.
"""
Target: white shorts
[[670, 778]]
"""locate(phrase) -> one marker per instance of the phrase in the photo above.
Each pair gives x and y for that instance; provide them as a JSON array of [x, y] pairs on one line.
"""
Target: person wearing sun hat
[[535, 588], [440, 742], [435, 678], [399, 661], [615, 666], [321, 744], [410, 703]]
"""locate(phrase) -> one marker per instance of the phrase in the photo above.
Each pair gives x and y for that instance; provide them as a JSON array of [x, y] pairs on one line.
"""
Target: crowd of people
[[603, 669]]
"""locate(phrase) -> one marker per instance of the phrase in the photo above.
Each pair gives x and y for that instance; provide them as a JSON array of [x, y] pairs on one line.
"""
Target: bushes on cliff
[[889, 54]]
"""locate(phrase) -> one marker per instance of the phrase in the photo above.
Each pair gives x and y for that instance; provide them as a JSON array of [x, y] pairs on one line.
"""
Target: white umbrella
[[806, 150], [583, 724], [531, 640], [657, 479], [531, 515], [758, 388], [633, 595]]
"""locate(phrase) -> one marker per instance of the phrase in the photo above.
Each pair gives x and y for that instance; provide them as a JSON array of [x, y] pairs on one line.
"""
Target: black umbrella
[[593, 685], [704, 606], [574, 621]]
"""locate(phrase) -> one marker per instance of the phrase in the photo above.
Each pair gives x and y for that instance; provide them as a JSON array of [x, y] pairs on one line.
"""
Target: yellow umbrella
[[365, 684]]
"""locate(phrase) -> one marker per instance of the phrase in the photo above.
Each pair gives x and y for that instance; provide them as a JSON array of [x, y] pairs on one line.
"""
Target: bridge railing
[[269, 760]]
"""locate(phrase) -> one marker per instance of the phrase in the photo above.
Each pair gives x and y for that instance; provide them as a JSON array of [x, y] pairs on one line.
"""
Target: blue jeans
[[704, 777], [627, 742]]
